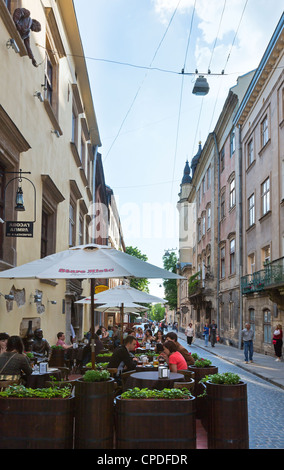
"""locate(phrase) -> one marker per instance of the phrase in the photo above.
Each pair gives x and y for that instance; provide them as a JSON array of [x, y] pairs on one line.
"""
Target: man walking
[[247, 337], [213, 333]]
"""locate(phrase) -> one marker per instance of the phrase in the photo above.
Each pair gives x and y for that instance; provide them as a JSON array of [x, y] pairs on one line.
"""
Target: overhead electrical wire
[[181, 95]]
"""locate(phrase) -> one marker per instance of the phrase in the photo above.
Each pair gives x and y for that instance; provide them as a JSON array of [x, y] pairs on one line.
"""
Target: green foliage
[[109, 354], [227, 378], [170, 285], [157, 312], [19, 391], [56, 347], [195, 356], [96, 376], [140, 284], [202, 362], [166, 393], [193, 283], [99, 365]]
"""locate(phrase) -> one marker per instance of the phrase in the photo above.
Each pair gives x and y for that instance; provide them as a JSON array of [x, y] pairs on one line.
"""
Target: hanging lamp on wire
[[201, 86]]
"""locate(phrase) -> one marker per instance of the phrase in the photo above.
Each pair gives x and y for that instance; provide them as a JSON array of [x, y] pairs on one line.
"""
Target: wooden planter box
[[201, 403], [227, 416], [155, 424], [57, 358], [36, 423], [94, 414]]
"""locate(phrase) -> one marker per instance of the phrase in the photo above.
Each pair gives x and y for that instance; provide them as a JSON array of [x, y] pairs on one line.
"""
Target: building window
[[264, 132], [83, 152], [203, 186], [81, 230], [72, 224], [203, 224], [252, 319], [222, 160], [267, 326], [265, 255], [232, 143], [232, 256], [222, 260], [208, 218], [251, 263], [250, 152], [232, 193], [51, 76], [265, 196], [223, 201], [209, 177], [199, 230], [251, 210]]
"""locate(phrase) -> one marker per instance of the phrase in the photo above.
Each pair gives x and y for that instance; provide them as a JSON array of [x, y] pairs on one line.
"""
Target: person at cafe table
[[171, 336], [13, 362], [122, 359], [175, 359]]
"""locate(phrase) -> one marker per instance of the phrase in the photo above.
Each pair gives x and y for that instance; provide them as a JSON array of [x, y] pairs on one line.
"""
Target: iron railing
[[272, 275]]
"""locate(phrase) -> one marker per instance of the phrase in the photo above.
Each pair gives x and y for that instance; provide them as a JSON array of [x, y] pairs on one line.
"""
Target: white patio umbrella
[[88, 262], [122, 295]]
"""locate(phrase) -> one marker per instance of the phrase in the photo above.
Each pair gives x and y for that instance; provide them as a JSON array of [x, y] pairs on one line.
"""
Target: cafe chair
[[64, 372], [124, 376], [6, 383], [188, 385], [112, 371]]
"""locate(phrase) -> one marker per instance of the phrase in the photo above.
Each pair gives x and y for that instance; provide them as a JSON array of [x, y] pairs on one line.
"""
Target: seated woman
[[159, 337], [139, 334], [13, 362], [148, 337], [174, 358], [3, 342]]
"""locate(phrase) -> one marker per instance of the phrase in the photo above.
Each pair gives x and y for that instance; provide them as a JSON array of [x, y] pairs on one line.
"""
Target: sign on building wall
[[19, 229]]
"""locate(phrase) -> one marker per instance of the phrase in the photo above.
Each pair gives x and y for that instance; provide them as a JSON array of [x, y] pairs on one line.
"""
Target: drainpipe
[[240, 234], [218, 232]]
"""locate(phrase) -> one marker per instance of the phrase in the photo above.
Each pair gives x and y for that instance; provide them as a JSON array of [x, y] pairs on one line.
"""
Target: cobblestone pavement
[[265, 401]]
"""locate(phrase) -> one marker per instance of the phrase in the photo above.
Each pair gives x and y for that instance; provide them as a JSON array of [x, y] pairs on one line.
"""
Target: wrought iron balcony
[[272, 276]]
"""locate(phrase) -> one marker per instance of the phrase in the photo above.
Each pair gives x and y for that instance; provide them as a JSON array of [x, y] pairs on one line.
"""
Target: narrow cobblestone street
[[265, 400]]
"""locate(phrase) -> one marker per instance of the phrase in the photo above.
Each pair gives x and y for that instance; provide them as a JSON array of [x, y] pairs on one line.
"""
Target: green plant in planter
[[195, 356], [99, 365], [104, 355], [200, 362], [29, 355], [19, 391], [227, 378], [56, 347], [166, 393], [96, 376]]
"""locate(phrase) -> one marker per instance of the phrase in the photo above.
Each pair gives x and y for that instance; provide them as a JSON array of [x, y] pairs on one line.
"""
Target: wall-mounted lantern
[[19, 228]]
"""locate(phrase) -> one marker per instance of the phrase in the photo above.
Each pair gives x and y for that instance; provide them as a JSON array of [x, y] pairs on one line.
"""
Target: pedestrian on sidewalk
[[213, 333], [278, 342], [206, 333], [247, 337], [189, 332]]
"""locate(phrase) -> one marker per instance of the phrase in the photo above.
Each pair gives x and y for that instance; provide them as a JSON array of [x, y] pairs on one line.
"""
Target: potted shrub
[[201, 368], [36, 418], [227, 411], [94, 414], [155, 419]]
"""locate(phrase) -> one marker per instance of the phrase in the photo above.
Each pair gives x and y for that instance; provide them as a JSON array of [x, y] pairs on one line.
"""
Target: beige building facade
[[49, 130]]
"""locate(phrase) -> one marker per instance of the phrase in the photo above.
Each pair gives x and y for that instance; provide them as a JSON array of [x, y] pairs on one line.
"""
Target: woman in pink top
[[174, 358]]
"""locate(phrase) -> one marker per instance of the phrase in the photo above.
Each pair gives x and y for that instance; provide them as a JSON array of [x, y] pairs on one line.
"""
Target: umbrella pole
[[121, 321], [93, 356]]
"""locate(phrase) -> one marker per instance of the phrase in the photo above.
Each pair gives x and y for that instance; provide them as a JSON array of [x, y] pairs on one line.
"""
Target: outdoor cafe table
[[151, 380], [37, 380]]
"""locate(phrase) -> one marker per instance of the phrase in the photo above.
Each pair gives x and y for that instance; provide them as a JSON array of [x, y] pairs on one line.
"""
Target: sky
[[150, 122]]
